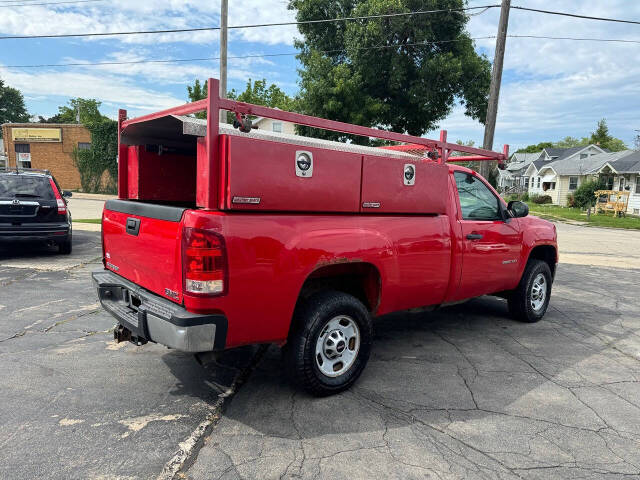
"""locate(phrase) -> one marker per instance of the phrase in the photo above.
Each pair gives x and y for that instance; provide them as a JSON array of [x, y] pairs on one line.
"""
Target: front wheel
[[529, 301], [329, 344]]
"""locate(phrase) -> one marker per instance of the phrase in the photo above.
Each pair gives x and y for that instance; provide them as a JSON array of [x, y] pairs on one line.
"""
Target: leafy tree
[[535, 148], [12, 108], [600, 137], [88, 110], [384, 72], [256, 92]]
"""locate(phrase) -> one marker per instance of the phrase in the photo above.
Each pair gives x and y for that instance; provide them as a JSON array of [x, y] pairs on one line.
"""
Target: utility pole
[[224, 12], [496, 79]]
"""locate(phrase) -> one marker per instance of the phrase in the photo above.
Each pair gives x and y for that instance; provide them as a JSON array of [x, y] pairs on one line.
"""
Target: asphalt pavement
[[463, 392]]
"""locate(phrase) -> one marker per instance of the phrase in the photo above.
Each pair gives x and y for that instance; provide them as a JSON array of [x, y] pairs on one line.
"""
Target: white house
[[271, 125], [544, 181], [513, 176], [622, 172]]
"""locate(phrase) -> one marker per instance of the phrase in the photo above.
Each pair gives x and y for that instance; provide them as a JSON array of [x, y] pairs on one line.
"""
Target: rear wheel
[[529, 301], [329, 344], [65, 246]]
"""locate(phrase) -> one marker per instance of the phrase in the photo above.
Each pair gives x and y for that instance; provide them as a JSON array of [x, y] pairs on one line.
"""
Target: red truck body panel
[[355, 215]]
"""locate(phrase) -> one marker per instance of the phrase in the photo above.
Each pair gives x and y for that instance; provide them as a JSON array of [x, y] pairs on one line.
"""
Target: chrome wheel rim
[[538, 292], [337, 346]]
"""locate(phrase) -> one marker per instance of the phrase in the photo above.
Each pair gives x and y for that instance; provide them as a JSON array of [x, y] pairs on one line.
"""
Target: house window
[[277, 127], [583, 156], [526, 182], [23, 155], [573, 183], [638, 185], [538, 184], [84, 146], [621, 187]]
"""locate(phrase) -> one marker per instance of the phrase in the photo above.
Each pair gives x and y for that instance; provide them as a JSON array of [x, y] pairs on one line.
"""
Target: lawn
[[554, 212], [88, 220]]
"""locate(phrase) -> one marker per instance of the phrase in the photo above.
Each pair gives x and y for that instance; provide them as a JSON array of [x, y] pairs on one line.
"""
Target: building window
[[277, 127], [538, 184], [583, 156], [84, 146], [573, 183], [23, 155], [638, 185], [526, 182], [621, 188]]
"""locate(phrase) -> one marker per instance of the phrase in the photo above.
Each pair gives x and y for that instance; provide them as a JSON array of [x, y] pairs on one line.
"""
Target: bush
[[571, 200], [540, 199], [100, 158], [525, 197], [584, 195]]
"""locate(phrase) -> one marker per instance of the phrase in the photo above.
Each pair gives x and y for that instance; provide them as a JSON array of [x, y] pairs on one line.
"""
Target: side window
[[476, 200]]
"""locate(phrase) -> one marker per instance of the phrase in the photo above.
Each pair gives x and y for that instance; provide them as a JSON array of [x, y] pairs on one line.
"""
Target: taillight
[[203, 262], [62, 207]]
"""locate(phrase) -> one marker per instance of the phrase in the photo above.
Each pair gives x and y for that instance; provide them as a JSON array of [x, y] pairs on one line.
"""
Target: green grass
[[554, 212], [88, 220]]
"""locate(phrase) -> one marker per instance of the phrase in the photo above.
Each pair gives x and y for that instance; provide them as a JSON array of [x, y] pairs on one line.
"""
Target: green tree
[[385, 72], [12, 107], [198, 92], [256, 92], [88, 110], [600, 137]]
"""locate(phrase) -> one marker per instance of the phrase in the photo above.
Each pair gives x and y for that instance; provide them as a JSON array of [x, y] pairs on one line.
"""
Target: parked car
[[33, 207], [274, 238]]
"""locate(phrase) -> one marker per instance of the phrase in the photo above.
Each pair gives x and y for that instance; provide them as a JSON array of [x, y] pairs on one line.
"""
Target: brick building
[[47, 146]]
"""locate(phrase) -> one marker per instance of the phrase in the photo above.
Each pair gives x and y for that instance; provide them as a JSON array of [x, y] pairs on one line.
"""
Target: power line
[[291, 54], [48, 3], [265, 55], [258, 25], [579, 39], [574, 15]]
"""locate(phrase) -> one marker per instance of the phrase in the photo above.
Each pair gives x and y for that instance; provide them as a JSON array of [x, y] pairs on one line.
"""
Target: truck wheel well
[[546, 253], [362, 280]]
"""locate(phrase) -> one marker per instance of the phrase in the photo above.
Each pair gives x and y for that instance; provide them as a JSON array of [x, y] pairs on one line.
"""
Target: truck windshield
[[16, 186]]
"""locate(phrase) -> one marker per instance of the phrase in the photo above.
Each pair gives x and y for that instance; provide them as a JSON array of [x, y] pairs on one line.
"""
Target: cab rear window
[[17, 186]]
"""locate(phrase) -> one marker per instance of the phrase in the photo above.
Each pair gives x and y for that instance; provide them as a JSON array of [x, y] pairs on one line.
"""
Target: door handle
[[133, 226], [474, 236]]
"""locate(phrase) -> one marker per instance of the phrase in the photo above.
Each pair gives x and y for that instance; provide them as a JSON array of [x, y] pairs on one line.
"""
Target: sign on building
[[36, 134]]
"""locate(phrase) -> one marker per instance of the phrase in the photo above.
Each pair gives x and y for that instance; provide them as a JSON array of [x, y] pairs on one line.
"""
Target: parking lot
[[462, 392]]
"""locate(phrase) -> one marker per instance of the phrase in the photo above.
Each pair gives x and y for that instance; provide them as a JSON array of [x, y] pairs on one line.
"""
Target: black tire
[[520, 299], [66, 246], [308, 324]]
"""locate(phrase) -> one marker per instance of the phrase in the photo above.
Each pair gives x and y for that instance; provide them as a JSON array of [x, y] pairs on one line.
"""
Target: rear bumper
[[34, 231], [156, 319]]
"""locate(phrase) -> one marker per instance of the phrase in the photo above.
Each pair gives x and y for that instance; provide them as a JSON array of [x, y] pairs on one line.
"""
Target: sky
[[550, 88]]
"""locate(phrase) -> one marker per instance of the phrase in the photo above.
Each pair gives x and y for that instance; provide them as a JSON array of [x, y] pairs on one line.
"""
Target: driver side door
[[491, 244]]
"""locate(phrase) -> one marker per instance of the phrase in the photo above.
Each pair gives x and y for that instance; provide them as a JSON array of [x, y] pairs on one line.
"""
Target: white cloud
[[106, 88], [125, 15]]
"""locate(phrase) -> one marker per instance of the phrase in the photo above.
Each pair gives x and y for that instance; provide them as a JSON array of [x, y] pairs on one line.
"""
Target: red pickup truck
[[223, 237]]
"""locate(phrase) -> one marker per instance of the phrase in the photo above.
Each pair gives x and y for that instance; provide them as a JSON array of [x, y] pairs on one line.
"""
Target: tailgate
[[141, 243]]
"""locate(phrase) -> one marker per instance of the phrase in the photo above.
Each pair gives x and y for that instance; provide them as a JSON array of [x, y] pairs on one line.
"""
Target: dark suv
[[33, 207]]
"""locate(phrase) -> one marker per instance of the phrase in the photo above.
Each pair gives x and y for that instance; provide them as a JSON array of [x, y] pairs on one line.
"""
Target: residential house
[[271, 125], [622, 172], [544, 181], [512, 178]]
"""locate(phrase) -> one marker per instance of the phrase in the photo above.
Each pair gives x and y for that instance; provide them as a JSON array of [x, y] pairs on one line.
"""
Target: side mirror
[[518, 209], [67, 193]]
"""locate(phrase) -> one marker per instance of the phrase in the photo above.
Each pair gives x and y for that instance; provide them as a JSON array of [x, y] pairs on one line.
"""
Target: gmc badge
[[409, 174], [304, 164]]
